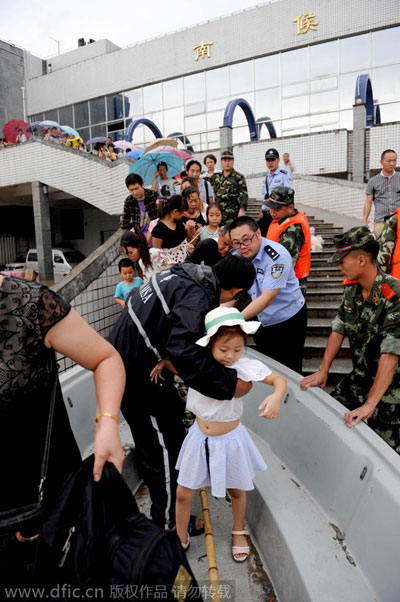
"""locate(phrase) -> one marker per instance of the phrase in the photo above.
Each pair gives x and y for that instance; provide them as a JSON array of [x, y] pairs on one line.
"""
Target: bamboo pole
[[210, 546]]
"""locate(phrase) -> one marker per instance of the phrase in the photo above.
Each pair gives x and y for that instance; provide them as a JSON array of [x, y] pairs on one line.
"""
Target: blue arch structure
[[363, 95], [150, 124], [184, 139], [246, 108], [268, 124]]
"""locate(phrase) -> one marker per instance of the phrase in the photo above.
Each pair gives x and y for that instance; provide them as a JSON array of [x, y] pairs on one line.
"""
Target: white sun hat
[[225, 316]]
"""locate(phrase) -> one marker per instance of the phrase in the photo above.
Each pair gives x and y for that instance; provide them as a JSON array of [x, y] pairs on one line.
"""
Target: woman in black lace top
[[35, 322]]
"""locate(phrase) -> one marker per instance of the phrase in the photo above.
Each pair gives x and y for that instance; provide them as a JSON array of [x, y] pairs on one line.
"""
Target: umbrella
[[146, 166], [10, 129], [170, 149], [35, 125], [50, 124], [159, 141], [69, 130], [133, 154], [95, 140], [125, 144]]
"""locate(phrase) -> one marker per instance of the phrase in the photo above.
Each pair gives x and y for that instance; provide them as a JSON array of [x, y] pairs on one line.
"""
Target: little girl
[[170, 234], [214, 219], [218, 451]]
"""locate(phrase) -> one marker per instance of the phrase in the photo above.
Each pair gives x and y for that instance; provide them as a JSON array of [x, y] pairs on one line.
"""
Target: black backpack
[[95, 537]]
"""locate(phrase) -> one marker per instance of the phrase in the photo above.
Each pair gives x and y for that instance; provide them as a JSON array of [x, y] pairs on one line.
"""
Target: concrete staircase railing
[[98, 182]]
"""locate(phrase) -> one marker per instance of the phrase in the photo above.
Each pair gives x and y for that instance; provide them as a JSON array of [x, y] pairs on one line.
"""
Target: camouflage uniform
[[292, 238], [230, 193], [373, 329], [387, 243]]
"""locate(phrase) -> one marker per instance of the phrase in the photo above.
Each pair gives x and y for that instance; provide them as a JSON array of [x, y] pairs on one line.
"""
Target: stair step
[[339, 368], [315, 347], [316, 309], [329, 268], [329, 295], [319, 326]]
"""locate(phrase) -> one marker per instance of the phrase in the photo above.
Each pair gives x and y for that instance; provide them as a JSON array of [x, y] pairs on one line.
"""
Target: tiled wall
[[331, 194]]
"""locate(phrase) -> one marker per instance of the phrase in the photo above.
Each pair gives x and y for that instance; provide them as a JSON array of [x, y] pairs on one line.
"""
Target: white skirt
[[233, 460]]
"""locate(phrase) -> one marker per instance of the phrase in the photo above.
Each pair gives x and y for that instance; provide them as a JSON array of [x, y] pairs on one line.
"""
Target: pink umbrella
[[170, 149], [125, 144]]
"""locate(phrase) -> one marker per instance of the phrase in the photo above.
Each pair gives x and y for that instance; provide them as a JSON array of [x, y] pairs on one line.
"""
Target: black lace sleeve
[[52, 309]]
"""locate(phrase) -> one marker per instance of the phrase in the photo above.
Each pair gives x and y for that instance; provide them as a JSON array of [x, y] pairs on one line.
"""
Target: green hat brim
[[338, 256]]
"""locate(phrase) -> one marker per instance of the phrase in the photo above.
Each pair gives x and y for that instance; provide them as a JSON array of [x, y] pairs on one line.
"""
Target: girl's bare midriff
[[216, 428]]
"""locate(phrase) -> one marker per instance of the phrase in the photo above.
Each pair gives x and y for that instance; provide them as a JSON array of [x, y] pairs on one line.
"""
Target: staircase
[[324, 295]]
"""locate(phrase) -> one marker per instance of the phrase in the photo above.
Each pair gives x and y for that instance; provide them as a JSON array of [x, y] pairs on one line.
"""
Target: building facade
[[295, 63]]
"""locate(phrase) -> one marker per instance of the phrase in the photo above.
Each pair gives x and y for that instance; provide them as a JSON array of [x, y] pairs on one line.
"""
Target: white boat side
[[325, 515]]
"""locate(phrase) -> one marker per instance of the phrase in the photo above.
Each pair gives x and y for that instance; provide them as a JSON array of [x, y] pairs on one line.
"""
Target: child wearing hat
[[218, 450]]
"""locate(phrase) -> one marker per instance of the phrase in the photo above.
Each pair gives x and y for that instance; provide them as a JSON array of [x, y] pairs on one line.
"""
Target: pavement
[[239, 582]]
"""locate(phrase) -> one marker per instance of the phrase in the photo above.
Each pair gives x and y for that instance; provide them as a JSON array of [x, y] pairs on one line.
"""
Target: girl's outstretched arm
[[272, 404]]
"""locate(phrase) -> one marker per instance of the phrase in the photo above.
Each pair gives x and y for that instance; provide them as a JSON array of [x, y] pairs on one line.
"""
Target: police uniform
[[279, 178], [283, 323]]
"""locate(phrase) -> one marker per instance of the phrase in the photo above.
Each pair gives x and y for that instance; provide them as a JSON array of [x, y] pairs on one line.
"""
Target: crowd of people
[[197, 277]]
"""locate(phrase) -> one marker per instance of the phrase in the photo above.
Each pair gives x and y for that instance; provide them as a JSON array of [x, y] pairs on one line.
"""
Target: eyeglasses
[[243, 243]]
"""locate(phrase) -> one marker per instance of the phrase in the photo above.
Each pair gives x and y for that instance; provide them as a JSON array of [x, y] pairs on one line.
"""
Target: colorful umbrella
[[159, 141], [69, 130], [95, 140], [10, 129], [35, 125], [146, 165], [125, 144], [133, 154], [175, 151], [49, 124]]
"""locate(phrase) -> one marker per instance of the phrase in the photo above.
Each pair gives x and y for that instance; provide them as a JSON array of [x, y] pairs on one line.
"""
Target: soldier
[[275, 177], [291, 229], [389, 247], [368, 315], [230, 189]]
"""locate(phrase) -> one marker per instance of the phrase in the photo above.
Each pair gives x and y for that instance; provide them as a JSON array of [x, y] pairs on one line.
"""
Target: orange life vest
[[302, 267], [396, 253]]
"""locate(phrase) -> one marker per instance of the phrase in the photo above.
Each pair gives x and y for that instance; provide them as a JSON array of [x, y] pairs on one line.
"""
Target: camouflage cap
[[281, 196], [227, 155], [355, 238]]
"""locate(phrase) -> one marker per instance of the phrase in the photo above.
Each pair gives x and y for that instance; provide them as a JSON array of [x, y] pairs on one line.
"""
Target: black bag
[[96, 537], [28, 517]]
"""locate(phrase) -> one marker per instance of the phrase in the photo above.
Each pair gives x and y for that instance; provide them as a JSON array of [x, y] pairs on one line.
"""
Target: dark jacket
[[189, 291]]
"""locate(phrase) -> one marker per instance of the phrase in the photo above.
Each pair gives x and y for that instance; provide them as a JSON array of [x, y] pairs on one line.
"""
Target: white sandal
[[186, 545], [240, 549]]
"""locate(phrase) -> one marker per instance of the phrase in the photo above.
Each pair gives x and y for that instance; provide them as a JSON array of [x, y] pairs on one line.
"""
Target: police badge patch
[[277, 270]]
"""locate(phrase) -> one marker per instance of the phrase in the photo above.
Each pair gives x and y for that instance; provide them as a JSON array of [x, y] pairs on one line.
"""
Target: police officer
[[275, 177], [291, 229], [369, 316], [276, 298], [230, 189]]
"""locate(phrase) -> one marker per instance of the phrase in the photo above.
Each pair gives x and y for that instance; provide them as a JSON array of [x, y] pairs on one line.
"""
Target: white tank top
[[228, 410]]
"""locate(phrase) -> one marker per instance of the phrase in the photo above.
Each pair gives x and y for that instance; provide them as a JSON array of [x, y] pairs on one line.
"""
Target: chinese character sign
[[305, 22], [202, 50]]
